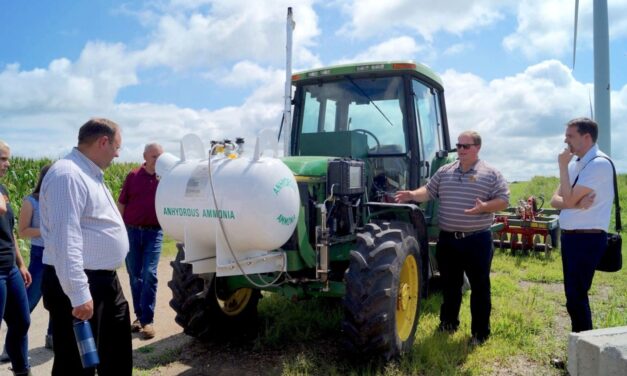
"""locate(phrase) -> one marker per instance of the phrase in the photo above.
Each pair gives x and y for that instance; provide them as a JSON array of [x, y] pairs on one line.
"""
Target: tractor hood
[[307, 165]]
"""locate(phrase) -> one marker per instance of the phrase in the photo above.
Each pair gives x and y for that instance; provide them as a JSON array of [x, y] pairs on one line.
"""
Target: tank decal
[[197, 183], [286, 221], [193, 212], [285, 182], [213, 213], [181, 212]]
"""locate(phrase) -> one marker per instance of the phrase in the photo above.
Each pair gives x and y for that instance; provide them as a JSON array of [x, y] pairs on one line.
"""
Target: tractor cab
[[391, 115]]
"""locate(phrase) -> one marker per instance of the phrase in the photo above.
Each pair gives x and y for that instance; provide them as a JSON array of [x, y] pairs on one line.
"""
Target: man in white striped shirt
[[470, 191], [86, 242]]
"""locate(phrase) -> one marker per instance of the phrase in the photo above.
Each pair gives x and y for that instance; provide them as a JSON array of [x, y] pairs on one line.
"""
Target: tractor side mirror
[[443, 153]]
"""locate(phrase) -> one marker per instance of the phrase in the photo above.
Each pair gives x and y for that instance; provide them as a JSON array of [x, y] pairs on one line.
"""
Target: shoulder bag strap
[[617, 223]]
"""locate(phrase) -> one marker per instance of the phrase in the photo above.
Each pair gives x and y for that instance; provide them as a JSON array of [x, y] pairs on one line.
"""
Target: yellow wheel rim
[[407, 299], [235, 304]]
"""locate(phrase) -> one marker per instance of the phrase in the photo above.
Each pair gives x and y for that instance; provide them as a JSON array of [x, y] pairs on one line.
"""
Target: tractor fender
[[409, 213]]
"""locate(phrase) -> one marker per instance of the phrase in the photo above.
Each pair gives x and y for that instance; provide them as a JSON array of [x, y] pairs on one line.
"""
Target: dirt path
[[167, 343]]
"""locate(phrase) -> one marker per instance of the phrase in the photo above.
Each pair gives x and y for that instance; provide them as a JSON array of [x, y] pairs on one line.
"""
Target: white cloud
[[54, 134], [393, 49], [230, 31], [546, 28], [243, 73], [458, 48], [168, 124], [92, 81], [370, 17], [522, 117], [188, 4]]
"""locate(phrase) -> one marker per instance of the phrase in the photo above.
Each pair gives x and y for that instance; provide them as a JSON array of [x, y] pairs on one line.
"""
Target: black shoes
[[447, 328], [477, 340]]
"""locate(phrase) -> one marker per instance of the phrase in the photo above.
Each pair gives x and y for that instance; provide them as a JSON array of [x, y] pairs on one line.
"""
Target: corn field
[[22, 176]]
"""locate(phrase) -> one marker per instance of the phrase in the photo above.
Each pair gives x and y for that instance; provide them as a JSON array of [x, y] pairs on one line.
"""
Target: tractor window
[[319, 114], [372, 106], [427, 116]]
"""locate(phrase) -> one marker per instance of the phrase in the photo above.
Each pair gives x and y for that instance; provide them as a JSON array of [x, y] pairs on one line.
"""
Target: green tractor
[[360, 132]]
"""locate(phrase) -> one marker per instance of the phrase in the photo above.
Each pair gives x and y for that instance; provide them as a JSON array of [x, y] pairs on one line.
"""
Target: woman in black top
[[14, 278]]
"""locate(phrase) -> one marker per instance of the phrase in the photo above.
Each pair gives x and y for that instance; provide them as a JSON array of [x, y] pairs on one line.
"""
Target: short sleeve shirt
[[596, 174], [458, 191], [138, 196]]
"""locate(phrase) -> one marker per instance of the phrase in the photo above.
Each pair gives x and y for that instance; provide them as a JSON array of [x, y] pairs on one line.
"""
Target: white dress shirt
[[80, 223], [597, 175]]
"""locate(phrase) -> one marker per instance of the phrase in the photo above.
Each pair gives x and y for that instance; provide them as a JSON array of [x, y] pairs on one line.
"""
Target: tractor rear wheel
[[202, 312], [383, 290]]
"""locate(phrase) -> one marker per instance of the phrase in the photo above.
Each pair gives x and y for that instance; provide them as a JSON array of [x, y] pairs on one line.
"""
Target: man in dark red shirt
[[137, 206]]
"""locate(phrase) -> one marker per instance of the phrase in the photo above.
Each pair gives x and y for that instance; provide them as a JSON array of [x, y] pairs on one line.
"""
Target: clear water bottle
[[86, 344]]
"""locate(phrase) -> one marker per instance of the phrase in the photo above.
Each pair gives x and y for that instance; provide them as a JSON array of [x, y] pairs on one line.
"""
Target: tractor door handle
[[424, 169]]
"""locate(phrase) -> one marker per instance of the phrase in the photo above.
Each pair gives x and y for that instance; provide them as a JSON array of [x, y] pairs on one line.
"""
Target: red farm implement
[[527, 227]]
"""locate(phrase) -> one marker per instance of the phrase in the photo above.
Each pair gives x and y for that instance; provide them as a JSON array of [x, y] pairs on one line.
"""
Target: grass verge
[[529, 322]]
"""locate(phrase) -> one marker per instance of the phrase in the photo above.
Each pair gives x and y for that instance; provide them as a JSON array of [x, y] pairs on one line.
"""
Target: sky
[[165, 68]]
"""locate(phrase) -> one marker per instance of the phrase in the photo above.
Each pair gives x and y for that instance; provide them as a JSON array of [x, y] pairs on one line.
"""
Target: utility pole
[[601, 48]]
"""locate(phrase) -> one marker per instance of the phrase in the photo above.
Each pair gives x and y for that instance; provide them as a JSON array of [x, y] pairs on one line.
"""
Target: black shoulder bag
[[612, 259]]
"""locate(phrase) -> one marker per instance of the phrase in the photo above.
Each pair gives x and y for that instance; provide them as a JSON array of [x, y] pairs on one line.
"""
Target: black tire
[[383, 290], [198, 309]]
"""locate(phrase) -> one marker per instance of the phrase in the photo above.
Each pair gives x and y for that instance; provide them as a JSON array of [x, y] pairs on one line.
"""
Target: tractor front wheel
[[202, 312], [383, 290]]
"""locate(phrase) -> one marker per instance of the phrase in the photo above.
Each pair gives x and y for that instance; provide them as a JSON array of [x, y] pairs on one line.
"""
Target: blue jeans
[[36, 269], [141, 263], [580, 255], [14, 310]]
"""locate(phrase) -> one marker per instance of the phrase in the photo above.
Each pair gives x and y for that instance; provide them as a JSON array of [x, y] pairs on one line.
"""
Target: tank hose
[[228, 243]]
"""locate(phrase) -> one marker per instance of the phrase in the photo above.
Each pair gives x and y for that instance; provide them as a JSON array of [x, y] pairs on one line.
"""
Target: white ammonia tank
[[257, 202]]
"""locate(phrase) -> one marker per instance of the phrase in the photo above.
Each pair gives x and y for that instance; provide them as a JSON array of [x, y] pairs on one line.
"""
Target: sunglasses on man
[[464, 146]]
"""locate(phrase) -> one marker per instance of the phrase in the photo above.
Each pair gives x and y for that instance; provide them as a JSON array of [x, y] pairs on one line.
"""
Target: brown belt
[[584, 231]]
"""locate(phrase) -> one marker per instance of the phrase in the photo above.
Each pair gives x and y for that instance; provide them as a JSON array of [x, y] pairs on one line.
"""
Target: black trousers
[[473, 255], [580, 256], [110, 325]]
